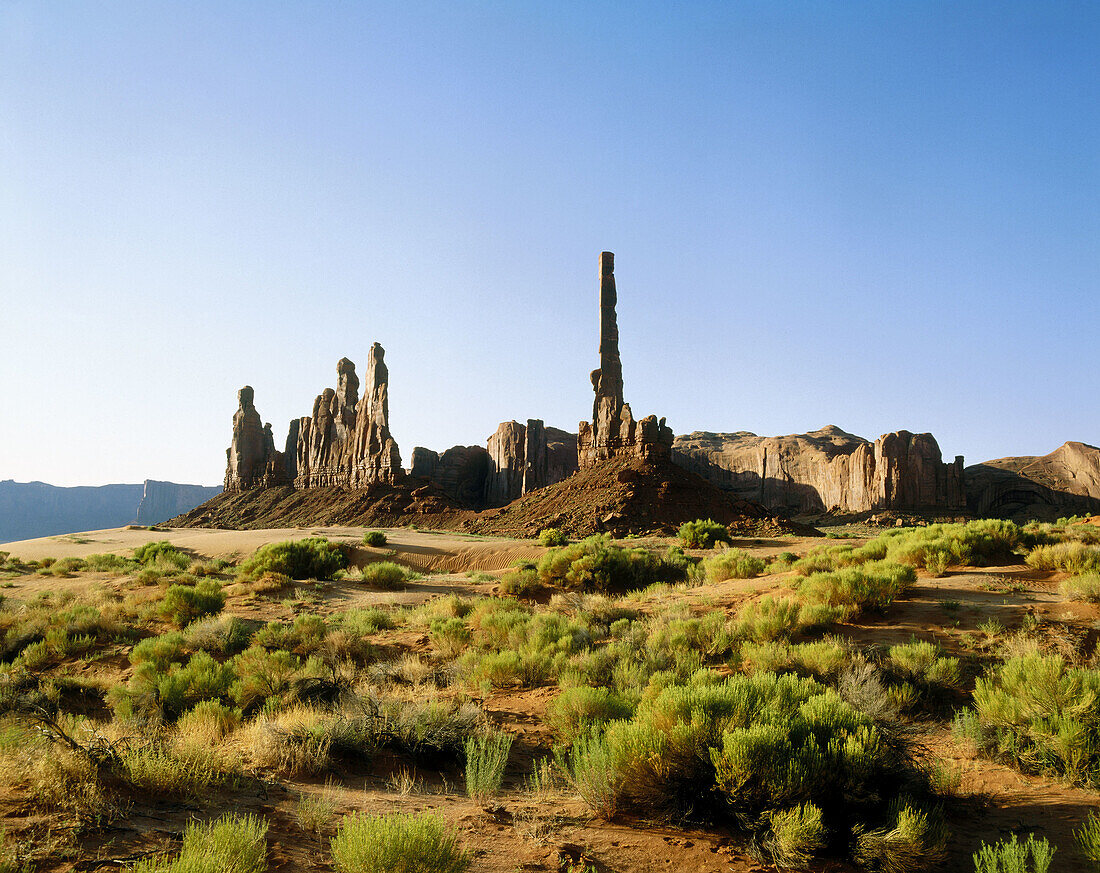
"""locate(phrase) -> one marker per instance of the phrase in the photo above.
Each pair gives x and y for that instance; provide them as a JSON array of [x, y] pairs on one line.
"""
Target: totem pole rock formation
[[346, 442], [613, 432]]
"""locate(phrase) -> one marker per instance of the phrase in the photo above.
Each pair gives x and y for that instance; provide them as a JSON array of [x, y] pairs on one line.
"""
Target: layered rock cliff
[[346, 442], [827, 470], [613, 432], [1063, 482]]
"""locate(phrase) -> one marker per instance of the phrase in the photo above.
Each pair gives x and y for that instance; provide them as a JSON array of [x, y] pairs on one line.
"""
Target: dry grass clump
[[1084, 587], [1073, 557], [486, 758]]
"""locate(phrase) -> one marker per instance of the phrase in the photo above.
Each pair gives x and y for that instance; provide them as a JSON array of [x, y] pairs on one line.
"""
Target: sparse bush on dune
[[703, 534], [1012, 856], [374, 538], [486, 758], [385, 575], [162, 556], [183, 603], [310, 558], [397, 843], [521, 581]]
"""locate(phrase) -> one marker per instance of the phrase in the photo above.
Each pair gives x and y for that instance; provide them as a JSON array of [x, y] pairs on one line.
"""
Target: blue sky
[[874, 215]]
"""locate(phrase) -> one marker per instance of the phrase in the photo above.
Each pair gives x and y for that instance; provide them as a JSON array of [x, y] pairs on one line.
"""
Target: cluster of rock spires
[[346, 443]]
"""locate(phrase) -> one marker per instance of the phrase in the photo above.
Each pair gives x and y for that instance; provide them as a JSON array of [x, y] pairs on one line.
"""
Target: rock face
[[827, 470], [161, 501], [1064, 482], [613, 432], [346, 442], [518, 459], [252, 461]]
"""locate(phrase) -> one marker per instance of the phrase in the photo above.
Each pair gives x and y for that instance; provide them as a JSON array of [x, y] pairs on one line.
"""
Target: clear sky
[[875, 215]]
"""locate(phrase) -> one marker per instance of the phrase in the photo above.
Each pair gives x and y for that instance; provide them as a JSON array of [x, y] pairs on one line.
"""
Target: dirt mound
[[628, 496], [378, 506]]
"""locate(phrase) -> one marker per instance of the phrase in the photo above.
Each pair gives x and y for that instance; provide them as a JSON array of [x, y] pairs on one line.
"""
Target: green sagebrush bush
[[1012, 856], [385, 575], [551, 536], [1073, 556], [1039, 714], [732, 564], [162, 554], [185, 603], [703, 534], [233, 843], [871, 586], [374, 538], [777, 756], [486, 758], [594, 564], [397, 843], [310, 558], [1084, 587]]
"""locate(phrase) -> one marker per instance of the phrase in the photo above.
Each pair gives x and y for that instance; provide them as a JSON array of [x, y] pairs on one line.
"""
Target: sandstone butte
[[346, 444]]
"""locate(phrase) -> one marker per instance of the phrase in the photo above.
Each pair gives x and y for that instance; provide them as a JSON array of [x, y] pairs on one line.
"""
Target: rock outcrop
[[346, 442], [517, 460], [827, 470], [252, 460], [1045, 487], [613, 432], [161, 501]]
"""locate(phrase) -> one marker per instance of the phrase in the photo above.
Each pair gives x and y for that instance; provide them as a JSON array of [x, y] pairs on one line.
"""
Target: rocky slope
[[827, 470], [1063, 482]]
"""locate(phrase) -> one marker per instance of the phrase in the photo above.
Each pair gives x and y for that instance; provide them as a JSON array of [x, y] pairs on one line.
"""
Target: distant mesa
[[35, 509]]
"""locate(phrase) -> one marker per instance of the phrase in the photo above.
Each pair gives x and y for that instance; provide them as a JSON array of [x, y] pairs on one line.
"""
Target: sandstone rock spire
[[613, 432]]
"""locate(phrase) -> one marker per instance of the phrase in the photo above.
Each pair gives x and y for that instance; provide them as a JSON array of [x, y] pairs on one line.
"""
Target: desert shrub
[[264, 676], [1085, 587], [486, 757], [234, 843], [450, 636], [367, 621], [703, 534], [310, 558], [594, 564], [976, 543], [577, 710], [551, 536], [923, 663], [1073, 556], [1012, 856], [822, 659], [160, 651], [222, 635], [733, 564], [770, 618], [183, 771], [752, 751], [1037, 713], [107, 563], [208, 720], [374, 538], [903, 842], [397, 843], [521, 581], [1088, 838], [162, 555], [183, 603], [873, 585], [166, 693], [304, 637], [385, 575]]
